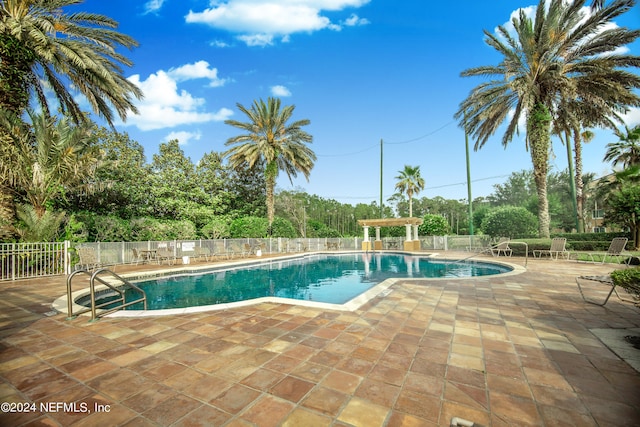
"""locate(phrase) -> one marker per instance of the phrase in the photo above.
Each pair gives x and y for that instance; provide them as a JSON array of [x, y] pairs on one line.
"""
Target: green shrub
[[217, 228], [282, 227], [249, 226], [629, 279], [434, 225], [510, 221]]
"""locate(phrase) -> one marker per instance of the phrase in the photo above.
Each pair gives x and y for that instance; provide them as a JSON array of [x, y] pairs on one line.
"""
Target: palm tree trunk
[[539, 140], [410, 207], [7, 214], [270, 177], [579, 184]]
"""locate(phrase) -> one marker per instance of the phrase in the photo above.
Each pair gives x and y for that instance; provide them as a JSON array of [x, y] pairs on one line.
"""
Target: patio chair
[[616, 250], [164, 254], [501, 247], [606, 280], [88, 258], [558, 247], [138, 256], [246, 250]]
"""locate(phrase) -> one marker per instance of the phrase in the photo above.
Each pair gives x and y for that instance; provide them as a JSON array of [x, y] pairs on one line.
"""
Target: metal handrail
[[93, 277]]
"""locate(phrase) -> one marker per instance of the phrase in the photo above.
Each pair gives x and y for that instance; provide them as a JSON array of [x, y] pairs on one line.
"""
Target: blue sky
[[359, 70]]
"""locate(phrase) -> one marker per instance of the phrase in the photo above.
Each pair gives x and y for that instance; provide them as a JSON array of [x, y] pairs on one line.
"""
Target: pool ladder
[[93, 277]]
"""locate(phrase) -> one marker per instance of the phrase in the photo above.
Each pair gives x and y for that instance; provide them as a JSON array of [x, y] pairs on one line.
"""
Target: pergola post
[[377, 245], [416, 239], [408, 242], [366, 244]]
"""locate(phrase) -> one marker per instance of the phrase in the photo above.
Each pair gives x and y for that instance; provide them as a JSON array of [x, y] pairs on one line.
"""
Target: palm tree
[[49, 160], [626, 151], [272, 144], [562, 54], [43, 48], [411, 183]]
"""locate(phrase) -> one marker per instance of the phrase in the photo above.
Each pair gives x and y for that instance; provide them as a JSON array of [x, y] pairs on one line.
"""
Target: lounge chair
[[88, 258], [202, 253], [606, 280], [558, 247], [164, 254], [501, 247], [616, 250]]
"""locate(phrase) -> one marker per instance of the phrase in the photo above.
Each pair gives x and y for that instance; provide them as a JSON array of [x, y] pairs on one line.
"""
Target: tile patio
[[520, 350]]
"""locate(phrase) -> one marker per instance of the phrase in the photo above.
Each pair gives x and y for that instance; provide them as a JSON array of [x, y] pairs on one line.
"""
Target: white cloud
[[197, 70], [153, 6], [632, 117], [354, 21], [260, 22], [165, 105], [183, 137], [280, 90]]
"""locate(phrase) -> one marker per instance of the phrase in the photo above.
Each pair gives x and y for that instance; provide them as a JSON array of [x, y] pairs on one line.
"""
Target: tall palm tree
[[41, 47], [625, 151], [563, 53], [270, 142], [48, 159], [410, 182]]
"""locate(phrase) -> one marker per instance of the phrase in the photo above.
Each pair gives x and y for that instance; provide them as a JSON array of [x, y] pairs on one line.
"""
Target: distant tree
[[626, 151], [410, 182], [517, 190], [271, 143], [623, 209], [123, 176]]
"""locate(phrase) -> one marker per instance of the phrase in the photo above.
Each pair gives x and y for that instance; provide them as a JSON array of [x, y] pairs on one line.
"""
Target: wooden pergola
[[409, 223]]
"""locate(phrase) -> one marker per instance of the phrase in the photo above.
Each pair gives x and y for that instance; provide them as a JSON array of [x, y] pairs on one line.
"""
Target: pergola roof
[[389, 222]]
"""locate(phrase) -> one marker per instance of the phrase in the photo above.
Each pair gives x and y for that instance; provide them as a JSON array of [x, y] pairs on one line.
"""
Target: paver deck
[[520, 350]]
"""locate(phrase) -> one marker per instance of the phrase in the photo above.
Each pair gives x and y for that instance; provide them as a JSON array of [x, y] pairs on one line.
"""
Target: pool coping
[[60, 304]]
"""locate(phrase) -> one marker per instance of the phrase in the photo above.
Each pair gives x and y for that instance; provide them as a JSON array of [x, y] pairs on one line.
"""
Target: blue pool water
[[324, 278]]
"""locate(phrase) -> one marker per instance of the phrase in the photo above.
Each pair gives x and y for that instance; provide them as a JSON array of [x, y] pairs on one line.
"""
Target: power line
[[348, 154], [388, 143], [421, 137], [426, 188]]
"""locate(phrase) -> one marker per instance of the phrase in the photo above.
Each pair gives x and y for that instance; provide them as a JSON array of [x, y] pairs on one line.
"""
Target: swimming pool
[[333, 279]]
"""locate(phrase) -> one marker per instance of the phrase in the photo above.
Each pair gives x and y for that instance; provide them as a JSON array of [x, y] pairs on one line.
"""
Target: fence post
[[13, 262], [66, 257]]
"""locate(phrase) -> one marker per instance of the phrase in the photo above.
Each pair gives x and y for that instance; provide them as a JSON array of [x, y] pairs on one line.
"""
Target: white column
[[415, 232], [377, 233], [408, 229], [366, 232]]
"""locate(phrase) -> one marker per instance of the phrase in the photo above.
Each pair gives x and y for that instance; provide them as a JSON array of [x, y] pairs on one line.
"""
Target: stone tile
[[342, 381], [291, 389], [514, 410], [420, 405], [303, 417], [363, 413], [235, 398], [268, 411], [325, 401], [378, 392]]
